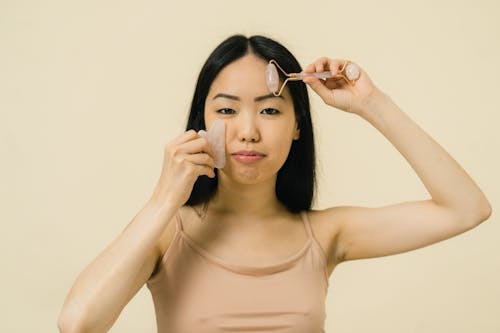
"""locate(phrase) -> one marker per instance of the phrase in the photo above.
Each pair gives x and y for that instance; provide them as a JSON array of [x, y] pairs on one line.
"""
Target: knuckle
[[207, 157], [190, 169], [180, 162], [173, 151]]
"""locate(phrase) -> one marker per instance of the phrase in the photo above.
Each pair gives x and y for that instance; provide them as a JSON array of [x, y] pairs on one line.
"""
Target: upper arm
[[366, 232]]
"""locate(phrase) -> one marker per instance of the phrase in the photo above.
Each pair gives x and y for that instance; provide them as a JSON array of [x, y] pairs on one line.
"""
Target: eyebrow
[[256, 99]]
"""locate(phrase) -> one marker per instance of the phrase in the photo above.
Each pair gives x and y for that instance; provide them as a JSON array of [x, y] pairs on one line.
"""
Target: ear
[[296, 134]]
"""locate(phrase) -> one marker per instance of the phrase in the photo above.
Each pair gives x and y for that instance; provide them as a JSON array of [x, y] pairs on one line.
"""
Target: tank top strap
[[178, 217], [178, 221], [307, 223]]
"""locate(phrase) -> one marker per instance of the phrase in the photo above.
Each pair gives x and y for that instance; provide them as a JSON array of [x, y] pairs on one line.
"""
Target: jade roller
[[272, 77]]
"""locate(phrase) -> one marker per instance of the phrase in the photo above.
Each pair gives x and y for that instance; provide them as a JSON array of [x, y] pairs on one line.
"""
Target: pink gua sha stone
[[216, 136]]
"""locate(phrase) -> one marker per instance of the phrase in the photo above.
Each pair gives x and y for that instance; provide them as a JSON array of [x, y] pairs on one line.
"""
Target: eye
[[270, 111], [225, 111]]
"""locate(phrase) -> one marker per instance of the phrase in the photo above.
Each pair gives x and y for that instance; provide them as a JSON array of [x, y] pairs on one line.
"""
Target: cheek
[[280, 146], [284, 149], [280, 134], [209, 119]]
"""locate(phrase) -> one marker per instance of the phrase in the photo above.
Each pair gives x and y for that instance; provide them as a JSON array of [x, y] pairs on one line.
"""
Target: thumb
[[320, 89]]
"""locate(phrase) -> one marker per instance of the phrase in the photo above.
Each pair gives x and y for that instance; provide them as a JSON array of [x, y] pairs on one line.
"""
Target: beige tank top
[[196, 292]]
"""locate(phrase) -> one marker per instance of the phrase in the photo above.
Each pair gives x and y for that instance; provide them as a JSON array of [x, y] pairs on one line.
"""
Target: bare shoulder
[[326, 225], [186, 213], [167, 236]]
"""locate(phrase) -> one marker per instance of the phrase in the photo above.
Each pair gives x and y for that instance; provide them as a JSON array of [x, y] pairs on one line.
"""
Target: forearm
[[104, 286], [446, 181]]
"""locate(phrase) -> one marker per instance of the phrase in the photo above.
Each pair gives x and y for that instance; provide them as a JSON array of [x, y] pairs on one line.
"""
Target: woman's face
[[255, 120]]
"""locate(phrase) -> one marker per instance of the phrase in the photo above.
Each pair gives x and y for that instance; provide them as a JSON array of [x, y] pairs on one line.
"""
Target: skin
[[268, 126], [245, 213], [245, 223], [245, 210], [456, 203]]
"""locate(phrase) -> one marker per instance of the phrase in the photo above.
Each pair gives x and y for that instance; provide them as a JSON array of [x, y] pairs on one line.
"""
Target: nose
[[248, 130]]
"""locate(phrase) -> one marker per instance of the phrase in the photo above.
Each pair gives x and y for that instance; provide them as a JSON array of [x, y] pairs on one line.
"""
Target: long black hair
[[295, 184]]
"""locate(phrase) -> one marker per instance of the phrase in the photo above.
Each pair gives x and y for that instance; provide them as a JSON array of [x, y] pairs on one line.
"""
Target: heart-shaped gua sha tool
[[216, 136]]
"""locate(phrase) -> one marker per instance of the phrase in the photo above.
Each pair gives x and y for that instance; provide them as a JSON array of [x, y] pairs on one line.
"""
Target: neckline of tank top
[[247, 269]]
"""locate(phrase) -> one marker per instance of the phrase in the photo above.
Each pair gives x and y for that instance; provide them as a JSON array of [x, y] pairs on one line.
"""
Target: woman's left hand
[[350, 97]]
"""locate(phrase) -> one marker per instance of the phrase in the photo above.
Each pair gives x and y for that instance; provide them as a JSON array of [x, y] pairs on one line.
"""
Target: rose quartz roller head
[[273, 79]]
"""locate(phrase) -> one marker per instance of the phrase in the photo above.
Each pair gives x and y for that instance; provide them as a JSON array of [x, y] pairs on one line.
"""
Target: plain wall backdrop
[[91, 91]]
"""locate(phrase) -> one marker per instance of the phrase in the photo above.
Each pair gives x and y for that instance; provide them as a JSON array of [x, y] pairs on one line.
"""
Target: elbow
[[69, 324], [68, 327], [482, 214], [486, 212]]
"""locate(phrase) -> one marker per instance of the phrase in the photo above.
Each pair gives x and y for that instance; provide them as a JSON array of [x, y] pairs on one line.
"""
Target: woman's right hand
[[96, 297], [186, 158]]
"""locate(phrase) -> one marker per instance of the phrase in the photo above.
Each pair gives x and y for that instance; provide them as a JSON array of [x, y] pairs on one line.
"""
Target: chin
[[247, 175]]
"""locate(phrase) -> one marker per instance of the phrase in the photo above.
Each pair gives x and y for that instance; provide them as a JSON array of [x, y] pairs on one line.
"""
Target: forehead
[[243, 77]]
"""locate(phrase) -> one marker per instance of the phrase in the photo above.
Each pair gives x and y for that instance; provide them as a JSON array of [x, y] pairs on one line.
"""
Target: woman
[[239, 249]]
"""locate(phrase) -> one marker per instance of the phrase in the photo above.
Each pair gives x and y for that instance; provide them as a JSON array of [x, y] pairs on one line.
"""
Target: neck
[[256, 200]]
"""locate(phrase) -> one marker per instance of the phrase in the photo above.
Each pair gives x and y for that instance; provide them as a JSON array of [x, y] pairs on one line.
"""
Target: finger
[[184, 137], [320, 64], [196, 145], [336, 65], [201, 159], [317, 65], [332, 83], [319, 87], [204, 170], [310, 68]]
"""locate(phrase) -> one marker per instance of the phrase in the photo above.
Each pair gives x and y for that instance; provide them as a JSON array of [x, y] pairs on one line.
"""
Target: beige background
[[90, 91]]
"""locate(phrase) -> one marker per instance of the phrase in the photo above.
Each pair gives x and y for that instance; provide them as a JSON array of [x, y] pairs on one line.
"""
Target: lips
[[248, 156], [249, 153]]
